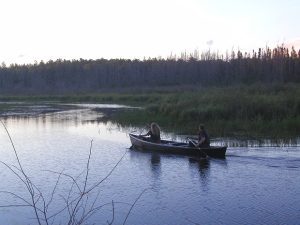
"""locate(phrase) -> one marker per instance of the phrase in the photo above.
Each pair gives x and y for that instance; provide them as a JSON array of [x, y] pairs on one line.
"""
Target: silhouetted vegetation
[[235, 93], [265, 110], [243, 110], [278, 65]]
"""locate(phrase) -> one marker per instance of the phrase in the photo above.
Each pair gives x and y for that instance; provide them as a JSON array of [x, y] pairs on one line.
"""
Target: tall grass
[[267, 111]]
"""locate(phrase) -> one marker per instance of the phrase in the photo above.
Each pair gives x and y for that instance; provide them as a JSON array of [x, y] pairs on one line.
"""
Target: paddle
[[195, 145], [192, 142], [141, 130]]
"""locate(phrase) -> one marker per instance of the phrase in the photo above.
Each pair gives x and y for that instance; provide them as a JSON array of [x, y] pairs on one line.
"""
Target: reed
[[263, 111]]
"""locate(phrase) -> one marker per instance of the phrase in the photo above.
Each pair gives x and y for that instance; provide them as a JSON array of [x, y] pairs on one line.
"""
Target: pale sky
[[90, 29]]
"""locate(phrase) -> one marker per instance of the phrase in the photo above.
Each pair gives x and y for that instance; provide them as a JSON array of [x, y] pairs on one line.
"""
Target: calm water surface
[[253, 185]]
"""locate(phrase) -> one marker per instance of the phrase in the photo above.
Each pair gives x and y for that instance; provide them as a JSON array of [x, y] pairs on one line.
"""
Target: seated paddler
[[154, 133], [203, 138]]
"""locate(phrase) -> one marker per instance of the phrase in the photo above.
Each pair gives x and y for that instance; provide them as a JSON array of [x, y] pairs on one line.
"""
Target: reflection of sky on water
[[83, 121], [101, 106]]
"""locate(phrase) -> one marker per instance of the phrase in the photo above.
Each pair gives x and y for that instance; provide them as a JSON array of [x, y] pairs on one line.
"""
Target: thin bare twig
[[16, 196], [67, 205], [67, 200], [7, 206], [66, 175], [113, 215], [15, 151], [11, 169], [87, 167], [28, 182], [192, 221], [135, 203], [111, 171], [75, 209], [79, 207], [93, 211], [53, 191]]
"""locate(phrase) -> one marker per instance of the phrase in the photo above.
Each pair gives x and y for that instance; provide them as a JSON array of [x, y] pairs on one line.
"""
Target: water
[[253, 185]]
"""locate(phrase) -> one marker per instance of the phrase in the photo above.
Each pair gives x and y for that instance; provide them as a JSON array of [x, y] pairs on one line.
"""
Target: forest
[[278, 65]]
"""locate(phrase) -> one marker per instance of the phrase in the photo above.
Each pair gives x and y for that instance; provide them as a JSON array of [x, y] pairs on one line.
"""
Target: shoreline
[[252, 112]]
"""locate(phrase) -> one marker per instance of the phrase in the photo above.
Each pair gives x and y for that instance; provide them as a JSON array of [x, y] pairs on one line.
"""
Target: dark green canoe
[[172, 147]]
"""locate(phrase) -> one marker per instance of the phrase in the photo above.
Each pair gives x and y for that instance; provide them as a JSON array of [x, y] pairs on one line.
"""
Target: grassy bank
[[269, 111], [272, 111]]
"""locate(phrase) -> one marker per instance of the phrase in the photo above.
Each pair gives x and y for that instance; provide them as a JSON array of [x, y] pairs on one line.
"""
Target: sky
[[35, 30]]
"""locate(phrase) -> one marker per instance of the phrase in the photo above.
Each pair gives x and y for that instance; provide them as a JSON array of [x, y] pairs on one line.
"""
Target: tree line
[[277, 65]]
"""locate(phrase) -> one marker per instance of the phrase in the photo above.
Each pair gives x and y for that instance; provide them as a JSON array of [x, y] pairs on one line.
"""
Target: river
[[254, 184]]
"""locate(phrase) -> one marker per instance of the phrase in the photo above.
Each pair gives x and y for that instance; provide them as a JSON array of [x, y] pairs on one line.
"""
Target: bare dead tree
[[80, 203]]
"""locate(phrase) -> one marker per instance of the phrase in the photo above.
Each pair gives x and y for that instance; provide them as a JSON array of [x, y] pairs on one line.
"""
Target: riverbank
[[252, 111]]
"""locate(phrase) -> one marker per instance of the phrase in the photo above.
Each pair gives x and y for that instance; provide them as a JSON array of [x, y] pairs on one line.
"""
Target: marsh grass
[[256, 110]]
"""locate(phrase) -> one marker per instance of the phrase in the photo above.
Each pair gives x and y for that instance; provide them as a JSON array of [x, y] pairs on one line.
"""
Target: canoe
[[172, 147]]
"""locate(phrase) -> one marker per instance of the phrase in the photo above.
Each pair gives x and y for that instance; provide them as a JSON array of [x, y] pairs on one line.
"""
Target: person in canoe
[[154, 133], [203, 138]]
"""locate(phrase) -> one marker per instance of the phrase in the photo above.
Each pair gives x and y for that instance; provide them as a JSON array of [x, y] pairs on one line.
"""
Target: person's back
[[203, 138], [155, 132]]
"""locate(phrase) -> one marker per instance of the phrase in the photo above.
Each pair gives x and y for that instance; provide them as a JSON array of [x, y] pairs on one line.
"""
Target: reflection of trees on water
[[70, 117], [243, 142]]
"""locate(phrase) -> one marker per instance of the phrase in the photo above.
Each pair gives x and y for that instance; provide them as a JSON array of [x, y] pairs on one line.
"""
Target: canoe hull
[[171, 147]]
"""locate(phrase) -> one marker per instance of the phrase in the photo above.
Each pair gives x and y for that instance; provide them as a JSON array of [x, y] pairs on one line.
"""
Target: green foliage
[[229, 111], [254, 110]]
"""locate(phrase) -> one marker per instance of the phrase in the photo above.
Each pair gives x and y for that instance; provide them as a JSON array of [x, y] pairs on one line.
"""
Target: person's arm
[[144, 135], [201, 141]]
